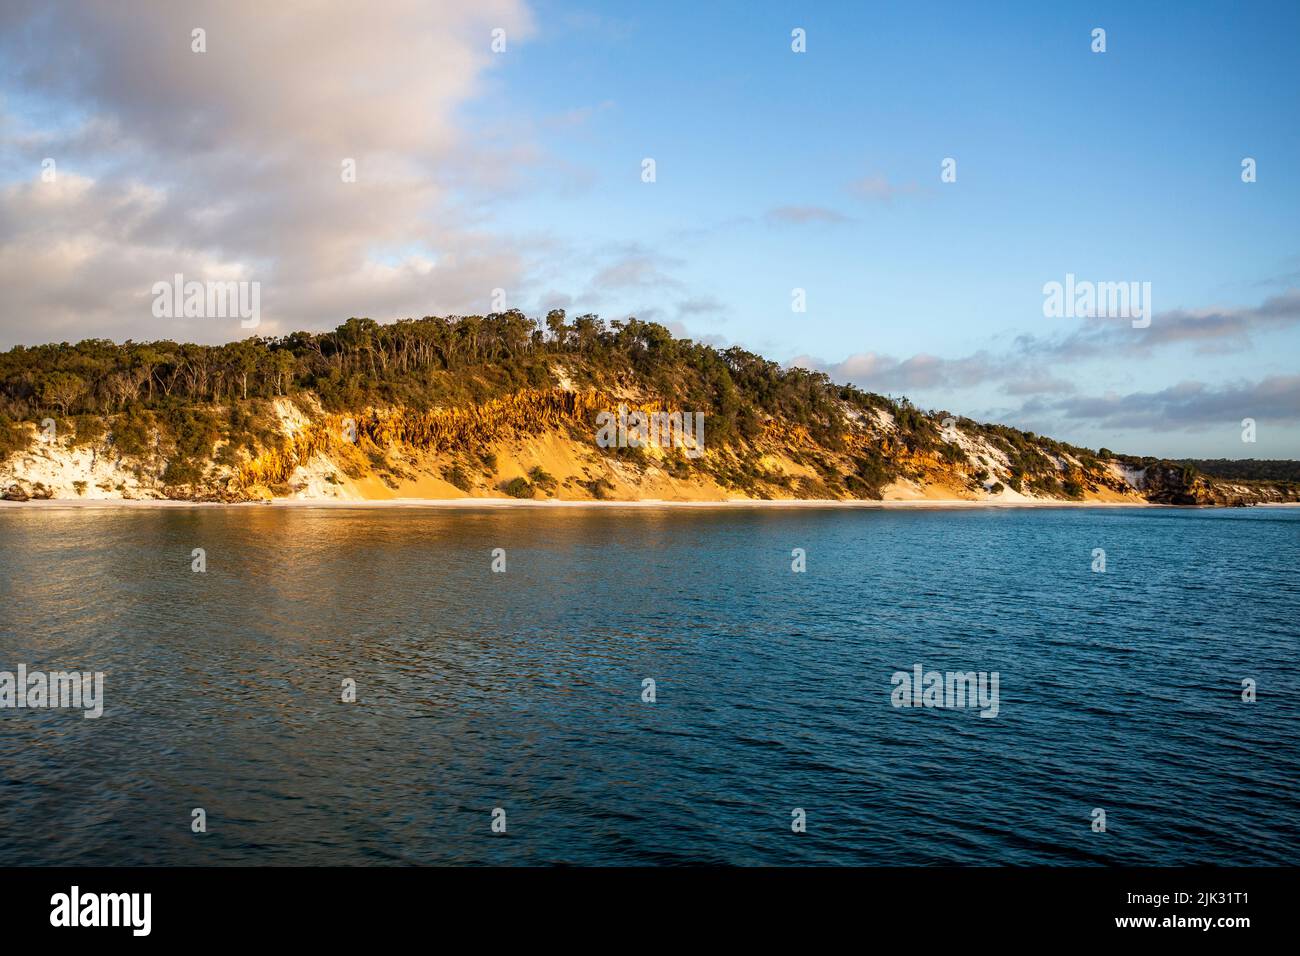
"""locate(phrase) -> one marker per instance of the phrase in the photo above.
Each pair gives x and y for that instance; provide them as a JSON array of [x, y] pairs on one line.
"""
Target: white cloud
[[174, 161]]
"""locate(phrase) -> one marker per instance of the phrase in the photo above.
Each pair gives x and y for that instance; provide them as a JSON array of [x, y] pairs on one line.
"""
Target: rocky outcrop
[[27, 491], [1172, 483]]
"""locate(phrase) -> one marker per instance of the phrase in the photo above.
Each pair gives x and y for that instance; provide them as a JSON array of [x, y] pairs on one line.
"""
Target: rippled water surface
[[522, 690]]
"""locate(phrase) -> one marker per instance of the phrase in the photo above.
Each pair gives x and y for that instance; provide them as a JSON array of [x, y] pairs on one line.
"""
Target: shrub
[[599, 488], [182, 471], [195, 431], [634, 455], [87, 429], [133, 432], [225, 455], [14, 437], [517, 488], [871, 473], [951, 453], [541, 479], [458, 477]]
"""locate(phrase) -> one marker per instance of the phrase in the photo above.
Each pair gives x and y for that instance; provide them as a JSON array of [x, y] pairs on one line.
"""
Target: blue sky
[[777, 170]]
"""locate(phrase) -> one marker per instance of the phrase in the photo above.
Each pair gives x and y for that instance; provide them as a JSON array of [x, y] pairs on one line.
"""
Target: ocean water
[[523, 690]]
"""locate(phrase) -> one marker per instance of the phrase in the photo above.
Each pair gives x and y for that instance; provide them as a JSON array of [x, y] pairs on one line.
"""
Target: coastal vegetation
[[202, 420]]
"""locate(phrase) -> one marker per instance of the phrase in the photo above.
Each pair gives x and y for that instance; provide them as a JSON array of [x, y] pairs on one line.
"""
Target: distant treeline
[[1247, 469]]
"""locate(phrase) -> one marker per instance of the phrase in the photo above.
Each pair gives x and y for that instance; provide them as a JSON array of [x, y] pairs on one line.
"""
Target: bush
[[226, 455], [599, 488], [14, 437], [542, 480], [951, 453], [133, 432], [633, 454], [872, 473], [517, 488], [195, 430], [182, 471], [87, 429], [457, 476]]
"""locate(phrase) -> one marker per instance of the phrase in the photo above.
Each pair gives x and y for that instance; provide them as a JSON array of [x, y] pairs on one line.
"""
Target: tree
[[62, 389], [559, 331]]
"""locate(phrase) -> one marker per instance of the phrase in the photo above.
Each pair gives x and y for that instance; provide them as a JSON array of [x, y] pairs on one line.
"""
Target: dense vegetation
[[184, 396], [1249, 469], [190, 404], [415, 362]]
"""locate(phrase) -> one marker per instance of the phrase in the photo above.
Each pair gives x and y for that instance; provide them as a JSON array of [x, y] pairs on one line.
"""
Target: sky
[[500, 150]]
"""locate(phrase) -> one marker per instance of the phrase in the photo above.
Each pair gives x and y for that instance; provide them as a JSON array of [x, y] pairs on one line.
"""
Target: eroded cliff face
[[542, 444], [1175, 484]]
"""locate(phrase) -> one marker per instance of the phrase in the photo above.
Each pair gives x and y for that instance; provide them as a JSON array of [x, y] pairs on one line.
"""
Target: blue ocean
[[651, 686]]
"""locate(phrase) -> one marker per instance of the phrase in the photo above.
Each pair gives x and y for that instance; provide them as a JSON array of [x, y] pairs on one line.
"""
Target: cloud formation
[[1025, 368], [1032, 369], [228, 163], [887, 373], [1210, 331], [1191, 405]]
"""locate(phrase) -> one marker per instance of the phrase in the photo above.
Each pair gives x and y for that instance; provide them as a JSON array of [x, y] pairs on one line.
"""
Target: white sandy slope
[[89, 472]]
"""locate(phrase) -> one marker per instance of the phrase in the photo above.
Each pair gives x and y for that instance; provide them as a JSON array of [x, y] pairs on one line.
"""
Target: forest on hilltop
[[199, 404], [417, 363]]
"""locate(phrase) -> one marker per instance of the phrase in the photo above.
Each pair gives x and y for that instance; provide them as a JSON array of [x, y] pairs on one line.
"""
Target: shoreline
[[553, 504]]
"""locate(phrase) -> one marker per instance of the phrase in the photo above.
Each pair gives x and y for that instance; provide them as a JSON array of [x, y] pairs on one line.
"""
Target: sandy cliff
[[541, 444]]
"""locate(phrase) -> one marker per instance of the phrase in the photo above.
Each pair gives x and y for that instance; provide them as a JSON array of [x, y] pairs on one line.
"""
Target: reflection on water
[[523, 690]]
